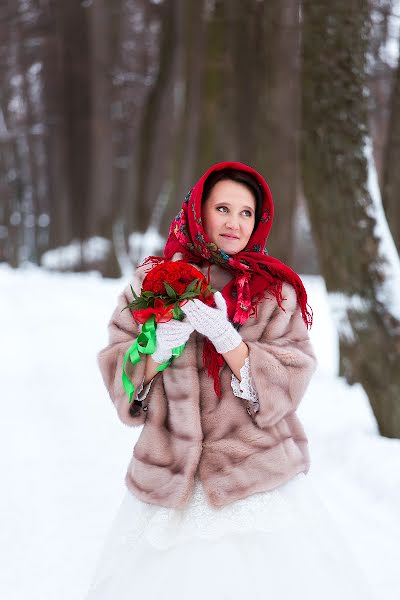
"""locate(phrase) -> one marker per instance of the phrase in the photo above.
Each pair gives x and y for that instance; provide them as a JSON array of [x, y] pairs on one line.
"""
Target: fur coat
[[188, 432]]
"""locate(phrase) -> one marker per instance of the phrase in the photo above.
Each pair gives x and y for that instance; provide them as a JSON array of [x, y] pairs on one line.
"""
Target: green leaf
[[178, 313], [187, 295], [170, 290], [192, 285], [134, 293], [129, 305], [139, 303]]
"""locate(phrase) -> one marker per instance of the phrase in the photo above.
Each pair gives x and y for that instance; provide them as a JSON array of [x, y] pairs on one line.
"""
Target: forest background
[[110, 110]]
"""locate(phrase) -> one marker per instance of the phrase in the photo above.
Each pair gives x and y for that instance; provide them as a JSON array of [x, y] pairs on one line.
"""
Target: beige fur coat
[[188, 432]]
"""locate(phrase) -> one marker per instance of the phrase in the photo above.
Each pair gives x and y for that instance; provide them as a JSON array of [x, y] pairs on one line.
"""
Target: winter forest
[[110, 110]]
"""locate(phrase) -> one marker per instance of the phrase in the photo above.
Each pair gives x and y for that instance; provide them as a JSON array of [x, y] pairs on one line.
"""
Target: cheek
[[249, 228], [210, 222]]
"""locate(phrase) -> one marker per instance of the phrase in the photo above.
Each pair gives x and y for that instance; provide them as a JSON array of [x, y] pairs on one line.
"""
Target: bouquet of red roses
[[164, 289]]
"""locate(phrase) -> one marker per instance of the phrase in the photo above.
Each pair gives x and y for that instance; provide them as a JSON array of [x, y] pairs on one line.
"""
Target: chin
[[232, 249]]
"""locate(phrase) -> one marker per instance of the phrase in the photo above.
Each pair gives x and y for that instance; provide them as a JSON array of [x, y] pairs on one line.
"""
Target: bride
[[218, 502]]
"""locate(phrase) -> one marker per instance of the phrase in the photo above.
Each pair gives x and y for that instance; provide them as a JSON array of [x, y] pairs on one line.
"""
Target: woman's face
[[228, 215]]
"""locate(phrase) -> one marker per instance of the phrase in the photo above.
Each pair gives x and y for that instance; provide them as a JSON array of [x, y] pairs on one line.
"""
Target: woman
[[218, 495]]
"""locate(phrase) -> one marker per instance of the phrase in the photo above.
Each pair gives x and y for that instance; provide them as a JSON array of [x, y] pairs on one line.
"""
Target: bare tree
[[356, 255], [23, 133], [107, 122], [278, 117]]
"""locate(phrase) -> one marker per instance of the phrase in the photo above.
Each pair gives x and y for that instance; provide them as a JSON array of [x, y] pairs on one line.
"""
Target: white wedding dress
[[275, 545]]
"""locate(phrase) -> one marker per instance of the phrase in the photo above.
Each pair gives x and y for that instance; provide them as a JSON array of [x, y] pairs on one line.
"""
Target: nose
[[232, 223]]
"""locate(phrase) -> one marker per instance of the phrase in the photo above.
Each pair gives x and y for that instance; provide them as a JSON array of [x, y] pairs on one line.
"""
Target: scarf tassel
[[243, 304], [212, 362]]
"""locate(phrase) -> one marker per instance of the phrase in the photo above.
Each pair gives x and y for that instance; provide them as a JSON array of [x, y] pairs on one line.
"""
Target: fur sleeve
[[282, 361], [122, 332]]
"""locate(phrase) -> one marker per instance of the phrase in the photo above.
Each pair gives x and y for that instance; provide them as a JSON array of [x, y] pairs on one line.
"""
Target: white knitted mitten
[[213, 323], [170, 335]]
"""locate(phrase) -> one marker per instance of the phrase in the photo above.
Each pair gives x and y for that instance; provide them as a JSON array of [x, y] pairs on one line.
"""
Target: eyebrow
[[223, 203]]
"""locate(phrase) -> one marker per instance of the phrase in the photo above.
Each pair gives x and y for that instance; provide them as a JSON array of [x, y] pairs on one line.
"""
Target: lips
[[230, 237]]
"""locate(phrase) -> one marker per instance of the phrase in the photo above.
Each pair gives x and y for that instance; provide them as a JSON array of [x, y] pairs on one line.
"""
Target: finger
[[220, 302], [192, 315], [188, 309], [190, 304], [177, 256]]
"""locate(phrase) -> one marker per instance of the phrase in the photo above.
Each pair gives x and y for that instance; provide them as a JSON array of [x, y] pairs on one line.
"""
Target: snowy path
[[64, 452]]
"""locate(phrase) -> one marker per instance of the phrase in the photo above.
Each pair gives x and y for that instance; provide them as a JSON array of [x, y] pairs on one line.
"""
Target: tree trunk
[[278, 120], [391, 171], [356, 253], [185, 157]]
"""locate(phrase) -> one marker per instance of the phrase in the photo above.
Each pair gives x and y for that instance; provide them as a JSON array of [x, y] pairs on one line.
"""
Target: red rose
[[177, 274], [157, 299], [162, 313], [164, 290]]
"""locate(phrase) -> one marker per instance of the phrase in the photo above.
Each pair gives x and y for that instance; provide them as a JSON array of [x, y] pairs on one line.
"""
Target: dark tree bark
[[346, 218], [188, 129], [59, 210], [278, 120], [77, 114], [103, 35], [162, 117]]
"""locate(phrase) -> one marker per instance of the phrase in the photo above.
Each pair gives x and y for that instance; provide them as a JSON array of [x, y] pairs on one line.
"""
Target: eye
[[248, 213]]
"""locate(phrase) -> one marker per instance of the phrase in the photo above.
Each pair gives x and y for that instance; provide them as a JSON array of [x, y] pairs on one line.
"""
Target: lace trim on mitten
[[244, 388]]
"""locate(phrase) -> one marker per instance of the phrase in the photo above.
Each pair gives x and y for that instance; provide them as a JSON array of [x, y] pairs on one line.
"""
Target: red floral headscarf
[[255, 272]]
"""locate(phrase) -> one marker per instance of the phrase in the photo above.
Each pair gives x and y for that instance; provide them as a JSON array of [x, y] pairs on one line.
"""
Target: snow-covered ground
[[64, 453]]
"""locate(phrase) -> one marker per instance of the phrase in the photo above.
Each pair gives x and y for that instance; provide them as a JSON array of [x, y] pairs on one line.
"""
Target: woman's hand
[[170, 335], [213, 323]]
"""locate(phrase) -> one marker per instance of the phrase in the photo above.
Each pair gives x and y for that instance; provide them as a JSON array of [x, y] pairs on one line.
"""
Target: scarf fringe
[[152, 261], [267, 280], [212, 362]]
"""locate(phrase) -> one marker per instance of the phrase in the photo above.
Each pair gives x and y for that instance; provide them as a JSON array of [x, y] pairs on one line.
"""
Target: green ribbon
[[145, 343]]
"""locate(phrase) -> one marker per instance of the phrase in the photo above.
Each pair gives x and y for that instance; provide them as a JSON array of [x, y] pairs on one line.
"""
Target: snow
[[96, 248], [64, 451], [144, 244], [341, 304], [389, 291], [389, 51], [67, 257]]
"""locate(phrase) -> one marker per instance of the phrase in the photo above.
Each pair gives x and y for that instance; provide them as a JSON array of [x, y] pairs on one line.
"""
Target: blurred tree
[[239, 57], [76, 110], [110, 111], [59, 192], [24, 179], [10, 203], [384, 105], [125, 63], [278, 119], [380, 71], [391, 171], [340, 184]]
